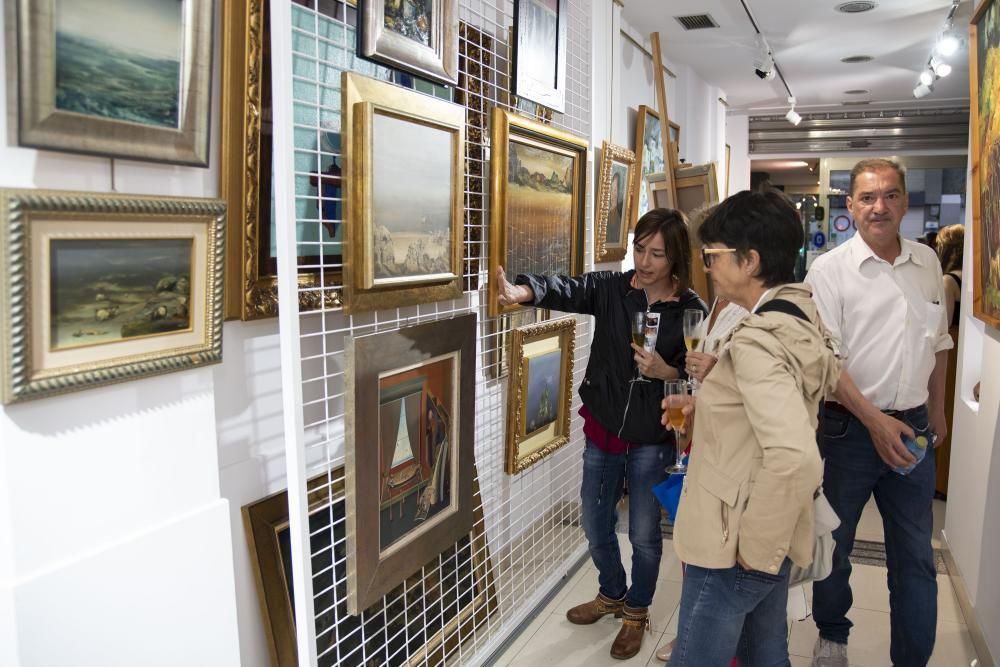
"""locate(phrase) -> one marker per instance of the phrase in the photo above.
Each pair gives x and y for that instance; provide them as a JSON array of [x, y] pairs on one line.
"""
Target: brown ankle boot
[[596, 609], [629, 639]]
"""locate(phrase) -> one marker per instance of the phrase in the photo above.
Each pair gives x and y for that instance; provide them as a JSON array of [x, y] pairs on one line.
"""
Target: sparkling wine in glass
[[639, 338], [693, 328], [678, 394]]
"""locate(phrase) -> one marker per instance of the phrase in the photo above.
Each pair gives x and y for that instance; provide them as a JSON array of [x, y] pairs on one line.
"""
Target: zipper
[[724, 515], [631, 383]]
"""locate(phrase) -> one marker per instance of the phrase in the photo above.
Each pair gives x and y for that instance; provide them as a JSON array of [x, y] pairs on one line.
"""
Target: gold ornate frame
[[986, 178], [605, 249], [524, 449], [438, 62], [362, 98], [266, 519], [251, 288], [508, 126], [31, 219], [372, 570], [533, 87], [42, 125]]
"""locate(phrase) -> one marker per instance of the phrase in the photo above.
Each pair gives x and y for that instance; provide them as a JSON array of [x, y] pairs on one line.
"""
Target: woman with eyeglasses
[[624, 438], [746, 510]]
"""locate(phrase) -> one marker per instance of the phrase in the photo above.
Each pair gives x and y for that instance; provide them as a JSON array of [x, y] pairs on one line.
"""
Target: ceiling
[[808, 38]]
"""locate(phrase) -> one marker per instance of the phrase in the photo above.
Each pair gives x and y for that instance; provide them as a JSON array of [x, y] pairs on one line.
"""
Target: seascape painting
[[987, 237], [543, 390], [539, 211], [412, 199], [650, 154], [410, 18], [415, 450], [106, 290], [616, 209], [540, 42], [120, 59]]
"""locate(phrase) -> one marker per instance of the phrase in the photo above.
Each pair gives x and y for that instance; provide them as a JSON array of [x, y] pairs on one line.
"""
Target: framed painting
[[537, 210], [101, 289], [405, 163], [675, 143], [540, 391], [419, 36], [122, 78], [984, 80], [697, 187], [497, 333], [617, 173], [541, 33], [458, 586], [648, 157], [409, 450]]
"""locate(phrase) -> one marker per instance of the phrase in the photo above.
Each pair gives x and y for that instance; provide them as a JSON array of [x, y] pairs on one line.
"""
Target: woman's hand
[[652, 365], [687, 410], [698, 364], [509, 294]]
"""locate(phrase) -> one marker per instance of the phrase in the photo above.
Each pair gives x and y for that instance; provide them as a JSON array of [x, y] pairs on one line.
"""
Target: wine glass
[[639, 338], [678, 394], [694, 331]]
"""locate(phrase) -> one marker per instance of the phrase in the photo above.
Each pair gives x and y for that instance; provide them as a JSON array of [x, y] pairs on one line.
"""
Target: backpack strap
[[783, 306]]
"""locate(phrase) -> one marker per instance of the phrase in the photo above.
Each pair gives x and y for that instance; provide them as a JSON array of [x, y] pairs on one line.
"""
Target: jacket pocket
[[725, 489]]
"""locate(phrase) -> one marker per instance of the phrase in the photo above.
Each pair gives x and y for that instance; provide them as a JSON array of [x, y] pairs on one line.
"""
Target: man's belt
[[837, 407]]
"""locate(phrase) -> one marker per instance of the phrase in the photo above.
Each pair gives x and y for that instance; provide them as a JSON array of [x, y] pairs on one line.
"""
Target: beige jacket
[[755, 465]]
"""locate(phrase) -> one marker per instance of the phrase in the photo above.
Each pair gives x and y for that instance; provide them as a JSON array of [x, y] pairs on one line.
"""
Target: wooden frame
[[100, 289], [984, 77], [110, 96], [389, 534], [521, 239], [675, 144], [729, 150], [539, 64], [421, 163], [697, 187], [611, 237], [537, 423], [649, 159], [427, 48], [266, 526]]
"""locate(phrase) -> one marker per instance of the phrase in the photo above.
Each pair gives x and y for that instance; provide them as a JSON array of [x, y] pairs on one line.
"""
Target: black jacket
[[629, 410]]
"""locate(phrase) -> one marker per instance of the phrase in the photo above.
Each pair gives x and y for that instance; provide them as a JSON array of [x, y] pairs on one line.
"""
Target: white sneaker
[[829, 654]]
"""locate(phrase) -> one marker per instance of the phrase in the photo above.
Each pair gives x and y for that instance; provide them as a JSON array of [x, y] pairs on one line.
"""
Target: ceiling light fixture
[[946, 45]]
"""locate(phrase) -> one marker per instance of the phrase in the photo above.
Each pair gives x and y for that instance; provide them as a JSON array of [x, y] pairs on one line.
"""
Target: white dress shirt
[[889, 319], [724, 323]]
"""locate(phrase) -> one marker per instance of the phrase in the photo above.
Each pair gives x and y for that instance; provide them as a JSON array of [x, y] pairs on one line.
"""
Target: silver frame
[[439, 62]]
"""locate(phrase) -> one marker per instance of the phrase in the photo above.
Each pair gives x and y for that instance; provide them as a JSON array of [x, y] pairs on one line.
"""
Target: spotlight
[[942, 68], [947, 45], [763, 62], [922, 90], [927, 77], [793, 117]]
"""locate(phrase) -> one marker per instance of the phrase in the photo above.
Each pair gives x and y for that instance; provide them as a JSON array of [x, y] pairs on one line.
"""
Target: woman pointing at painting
[[624, 438]]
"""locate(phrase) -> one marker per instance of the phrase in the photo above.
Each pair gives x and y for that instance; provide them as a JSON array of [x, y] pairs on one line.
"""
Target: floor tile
[[582, 572], [653, 661], [953, 646], [568, 645], [870, 525], [869, 645], [939, 510], [521, 641], [665, 603]]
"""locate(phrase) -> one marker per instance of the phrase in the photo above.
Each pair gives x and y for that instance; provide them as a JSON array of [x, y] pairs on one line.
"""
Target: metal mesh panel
[[458, 607]]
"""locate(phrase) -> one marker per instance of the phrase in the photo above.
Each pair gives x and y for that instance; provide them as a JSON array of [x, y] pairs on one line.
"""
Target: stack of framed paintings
[[120, 78], [405, 156], [537, 211], [617, 173], [540, 391], [99, 289], [409, 450]]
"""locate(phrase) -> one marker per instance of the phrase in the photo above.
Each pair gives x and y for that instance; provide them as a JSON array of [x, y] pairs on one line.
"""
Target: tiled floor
[[552, 641]]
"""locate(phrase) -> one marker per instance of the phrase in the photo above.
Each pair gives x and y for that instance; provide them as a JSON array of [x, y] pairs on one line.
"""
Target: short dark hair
[[763, 221], [877, 164], [950, 247], [672, 226]]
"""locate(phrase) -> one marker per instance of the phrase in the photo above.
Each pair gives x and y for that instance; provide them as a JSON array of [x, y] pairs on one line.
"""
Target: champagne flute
[[693, 333], [639, 339], [678, 395]]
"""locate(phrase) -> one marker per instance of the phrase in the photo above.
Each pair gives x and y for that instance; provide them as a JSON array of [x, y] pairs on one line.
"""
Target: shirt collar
[[861, 251]]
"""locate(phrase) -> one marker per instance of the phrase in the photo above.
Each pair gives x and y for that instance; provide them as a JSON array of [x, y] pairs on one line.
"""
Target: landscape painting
[[412, 219], [414, 449], [985, 84], [539, 210], [410, 18], [543, 386], [649, 153], [120, 59], [105, 290]]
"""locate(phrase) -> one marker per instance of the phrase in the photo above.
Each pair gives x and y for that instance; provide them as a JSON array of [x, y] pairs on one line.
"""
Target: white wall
[[738, 138], [115, 538]]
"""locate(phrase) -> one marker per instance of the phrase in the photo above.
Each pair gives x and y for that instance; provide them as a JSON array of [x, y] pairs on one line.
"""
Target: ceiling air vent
[[857, 59], [856, 7], [856, 103], [697, 22]]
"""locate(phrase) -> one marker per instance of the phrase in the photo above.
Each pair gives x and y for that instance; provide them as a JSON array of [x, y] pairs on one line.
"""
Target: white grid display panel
[[458, 607]]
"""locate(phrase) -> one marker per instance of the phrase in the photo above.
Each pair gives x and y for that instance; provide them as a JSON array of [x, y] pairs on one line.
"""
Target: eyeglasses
[[708, 253]]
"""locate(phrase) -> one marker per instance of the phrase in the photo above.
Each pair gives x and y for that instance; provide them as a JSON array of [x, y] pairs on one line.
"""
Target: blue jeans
[[731, 612], [604, 477], [853, 471]]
